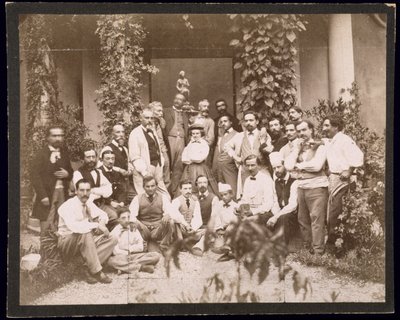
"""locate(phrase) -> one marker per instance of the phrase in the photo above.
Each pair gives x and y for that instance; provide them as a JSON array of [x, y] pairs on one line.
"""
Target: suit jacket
[[121, 161], [139, 150], [118, 185], [44, 181], [235, 125], [169, 116]]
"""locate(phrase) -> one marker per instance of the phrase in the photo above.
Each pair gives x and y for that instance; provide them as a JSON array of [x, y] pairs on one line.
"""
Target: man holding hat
[[284, 211]]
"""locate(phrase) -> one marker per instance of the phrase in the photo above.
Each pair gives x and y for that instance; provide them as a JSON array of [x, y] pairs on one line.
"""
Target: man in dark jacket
[[50, 176]]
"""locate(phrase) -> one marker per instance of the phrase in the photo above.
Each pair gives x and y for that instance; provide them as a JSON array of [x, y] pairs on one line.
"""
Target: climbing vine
[[265, 46], [121, 68]]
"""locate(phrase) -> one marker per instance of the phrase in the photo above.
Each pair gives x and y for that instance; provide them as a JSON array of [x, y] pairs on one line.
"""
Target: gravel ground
[[157, 288]]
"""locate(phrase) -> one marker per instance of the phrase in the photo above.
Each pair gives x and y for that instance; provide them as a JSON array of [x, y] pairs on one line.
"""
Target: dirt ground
[[158, 288]]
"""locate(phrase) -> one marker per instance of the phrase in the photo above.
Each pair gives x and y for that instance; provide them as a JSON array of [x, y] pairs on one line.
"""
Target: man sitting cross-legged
[[82, 229], [130, 254], [150, 212], [188, 217]]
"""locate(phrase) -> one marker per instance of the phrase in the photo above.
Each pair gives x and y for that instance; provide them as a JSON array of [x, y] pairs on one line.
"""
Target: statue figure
[[183, 85]]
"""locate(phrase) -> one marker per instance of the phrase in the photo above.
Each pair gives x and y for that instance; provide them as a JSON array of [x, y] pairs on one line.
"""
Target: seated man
[[208, 202], [129, 254], [101, 188], [258, 191], [284, 211], [119, 196], [188, 217], [82, 229], [150, 212]]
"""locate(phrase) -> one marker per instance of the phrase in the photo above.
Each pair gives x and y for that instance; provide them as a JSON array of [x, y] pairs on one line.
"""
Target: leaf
[[234, 42], [248, 48], [237, 65], [291, 36], [247, 36], [268, 79], [269, 102]]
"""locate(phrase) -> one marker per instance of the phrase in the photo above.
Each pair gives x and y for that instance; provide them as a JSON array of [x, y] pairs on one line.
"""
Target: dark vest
[[283, 192], [206, 207], [150, 211], [117, 182], [121, 158], [88, 176], [154, 149], [185, 211]]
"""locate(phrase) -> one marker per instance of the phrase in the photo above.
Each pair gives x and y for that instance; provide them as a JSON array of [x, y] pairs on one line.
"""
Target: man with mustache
[[82, 230], [295, 115], [208, 202], [343, 156], [222, 108], [307, 164], [101, 187], [50, 175], [146, 154], [276, 132], [122, 163], [291, 134]]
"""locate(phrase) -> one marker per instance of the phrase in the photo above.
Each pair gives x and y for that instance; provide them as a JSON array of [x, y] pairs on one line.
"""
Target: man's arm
[[268, 197], [232, 147], [138, 242], [105, 189], [174, 212], [81, 227], [135, 154], [96, 212], [134, 209], [36, 178], [292, 203], [210, 135], [316, 163], [197, 221], [353, 154]]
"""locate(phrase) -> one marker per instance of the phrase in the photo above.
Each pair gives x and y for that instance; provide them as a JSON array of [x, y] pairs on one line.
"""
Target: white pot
[[30, 261]]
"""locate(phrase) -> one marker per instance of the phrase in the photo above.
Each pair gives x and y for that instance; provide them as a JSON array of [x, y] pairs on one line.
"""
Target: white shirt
[[225, 214], [343, 153], [128, 241], [104, 190], [178, 217], [72, 219], [196, 151], [259, 193], [166, 206], [234, 145], [288, 148], [292, 203]]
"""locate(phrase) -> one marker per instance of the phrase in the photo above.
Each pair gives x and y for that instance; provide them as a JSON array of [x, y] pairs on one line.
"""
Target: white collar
[[115, 143], [204, 194], [52, 149], [286, 178], [106, 169], [254, 132]]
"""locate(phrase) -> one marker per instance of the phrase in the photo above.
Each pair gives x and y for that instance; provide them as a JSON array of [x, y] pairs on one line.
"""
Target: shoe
[[103, 278], [90, 278], [147, 268], [197, 252]]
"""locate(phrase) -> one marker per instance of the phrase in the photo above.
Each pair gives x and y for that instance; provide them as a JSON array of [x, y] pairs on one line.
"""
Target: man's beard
[[90, 165], [202, 189]]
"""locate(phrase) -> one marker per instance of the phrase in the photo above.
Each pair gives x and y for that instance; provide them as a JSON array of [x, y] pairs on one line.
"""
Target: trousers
[[51, 222], [227, 172], [198, 236], [157, 173], [132, 262], [177, 144], [95, 250], [312, 207], [158, 231]]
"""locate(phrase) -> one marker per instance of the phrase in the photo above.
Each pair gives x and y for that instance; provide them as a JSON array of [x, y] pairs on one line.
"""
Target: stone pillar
[[341, 58]]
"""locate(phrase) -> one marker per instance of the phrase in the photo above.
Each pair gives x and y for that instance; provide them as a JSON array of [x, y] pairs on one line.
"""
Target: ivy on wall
[[265, 46], [121, 68]]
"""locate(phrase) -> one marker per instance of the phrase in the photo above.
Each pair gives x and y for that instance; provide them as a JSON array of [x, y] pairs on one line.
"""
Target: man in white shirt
[[343, 156], [187, 214], [151, 213], [307, 164], [291, 134], [82, 229], [258, 190], [101, 187], [284, 211]]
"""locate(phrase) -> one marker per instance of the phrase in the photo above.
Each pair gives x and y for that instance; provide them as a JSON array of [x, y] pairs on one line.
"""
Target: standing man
[[343, 156], [151, 213], [227, 171], [177, 129], [145, 153], [276, 132], [291, 134], [284, 211], [222, 109], [258, 190], [188, 217], [160, 126], [82, 229], [295, 115], [122, 163], [244, 144], [307, 161], [50, 175]]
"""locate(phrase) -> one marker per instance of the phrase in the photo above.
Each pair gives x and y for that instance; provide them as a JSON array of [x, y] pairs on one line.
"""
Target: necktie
[[86, 212], [188, 202], [226, 205], [151, 198], [252, 178], [226, 131]]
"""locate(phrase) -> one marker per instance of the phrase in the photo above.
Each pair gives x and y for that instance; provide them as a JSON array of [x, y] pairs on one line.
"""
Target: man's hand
[[104, 229], [61, 174], [268, 148], [114, 204], [272, 221], [345, 175], [133, 225], [45, 201], [166, 218]]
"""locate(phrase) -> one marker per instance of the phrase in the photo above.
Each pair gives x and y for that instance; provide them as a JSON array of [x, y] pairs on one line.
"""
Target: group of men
[[130, 202]]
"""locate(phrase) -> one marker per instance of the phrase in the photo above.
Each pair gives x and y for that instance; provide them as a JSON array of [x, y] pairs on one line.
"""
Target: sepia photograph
[[175, 156]]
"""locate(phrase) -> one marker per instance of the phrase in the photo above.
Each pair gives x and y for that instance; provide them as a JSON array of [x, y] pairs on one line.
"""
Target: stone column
[[341, 59]]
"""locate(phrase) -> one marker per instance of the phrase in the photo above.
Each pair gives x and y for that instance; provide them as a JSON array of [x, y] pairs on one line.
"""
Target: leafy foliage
[[121, 68], [266, 52]]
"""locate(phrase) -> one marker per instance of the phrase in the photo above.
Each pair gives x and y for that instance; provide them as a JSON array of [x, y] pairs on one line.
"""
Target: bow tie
[[226, 205], [252, 178], [202, 197], [250, 133], [281, 181], [149, 131], [227, 131], [195, 141]]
